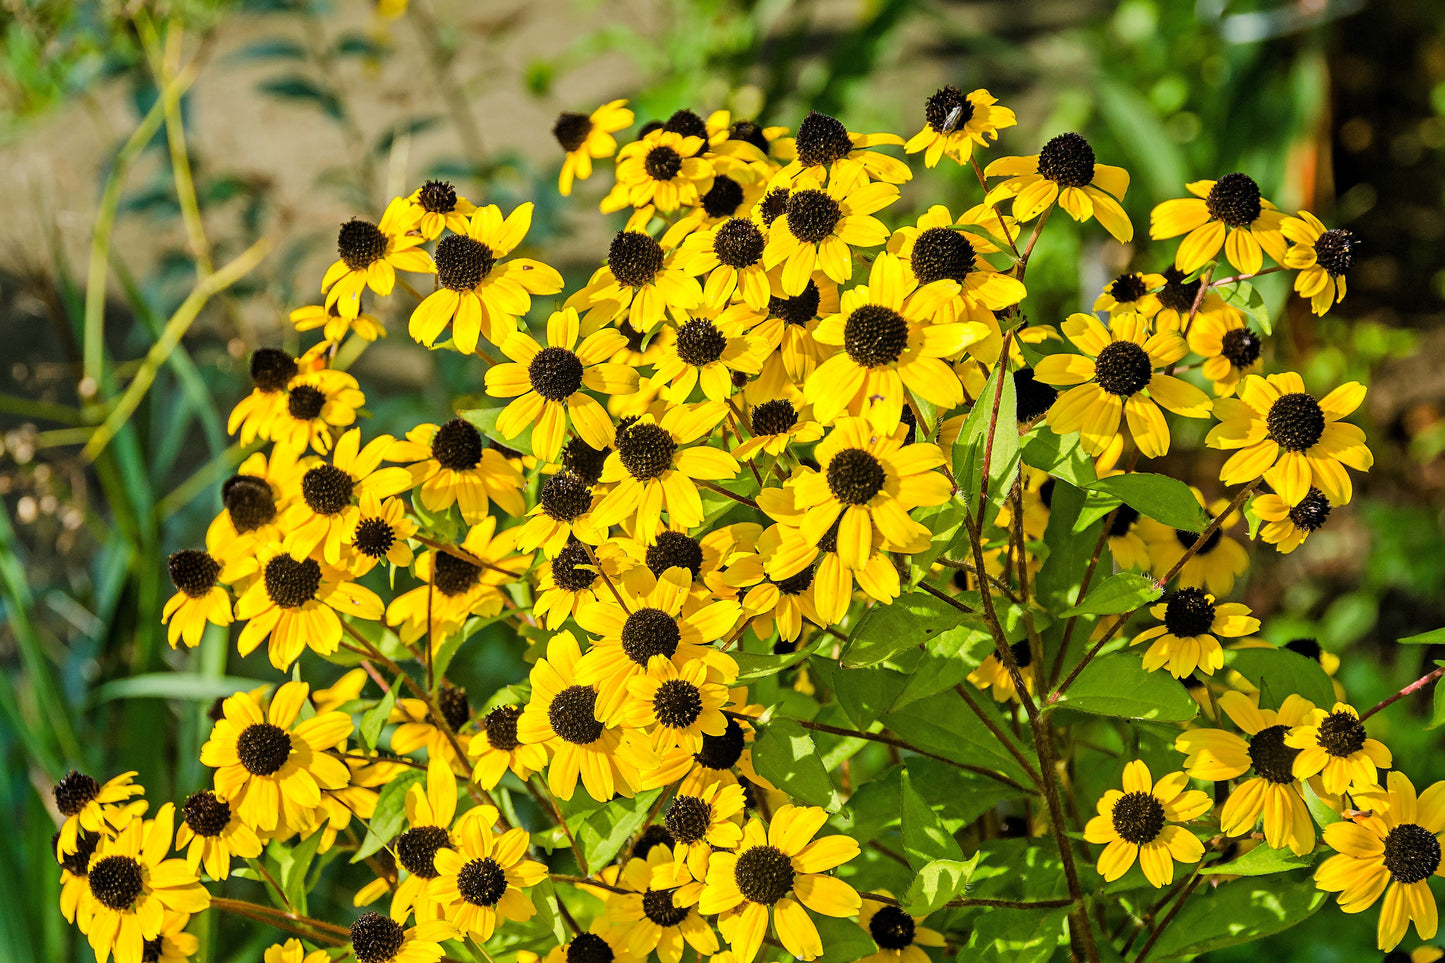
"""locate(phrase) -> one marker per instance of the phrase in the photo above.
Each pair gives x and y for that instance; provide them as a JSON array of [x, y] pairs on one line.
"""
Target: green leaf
[[785, 755], [297, 87], [946, 523], [1260, 861], [604, 832], [1164, 499], [390, 813], [1279, 672], [755, 665], [1323, 814], [485, 421], [937, 882], [1433, 637], [1118, 685], [294, 862], [943, 724], [1016, 936], [865, 694], [844, 941], [1238, 912], [912, 620], [1069, 550], [374, 719], [173, 685], [1123, 592], [925, 838], [1059, 455], [957, 795], [949, 658], [1438, 719], [969, 451]]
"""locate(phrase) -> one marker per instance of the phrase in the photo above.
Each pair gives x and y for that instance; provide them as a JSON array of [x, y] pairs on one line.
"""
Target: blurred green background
[[301, 114]]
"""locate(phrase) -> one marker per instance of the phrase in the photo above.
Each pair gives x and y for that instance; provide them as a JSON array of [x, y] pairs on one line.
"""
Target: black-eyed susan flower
[[656, 467], [1131, 293], [1186, 640], [293, 952], [271, 371], [1112, 375], [458, 583], [437, 205], [1135, 824], [1392, 852], [1285, 526], [1289, 438], [710, 355], [199, 598], [482, 877], [775, 425], [480, 294], [297, 603], [416, 728], [496, 748], [824, 147], [325, 518], [954, 123], [174, 944], [868, 482], [786, 328], [900, 938], [431, 809], [730, 255], [380, 939], [820, 226], [660, 170], [777, 872], [562, 514], [1321, 256], [729, 197], [992, 674], [252, 501], [131, 886], [705, 817], [1271, 793], [269, 767], [369, 255], [1228, 213], [1335, 746], [74, 867], [725, 759], [585, 138], [90, 807], [604, 944], [562, 718], [452, 465], [335, 328], [572, 581], [1126, 545], [676, 706], [547, 384], [640, 282], [212, 833], [381, 532], [833, 580], [1064, 172], [1229, 347], [658, 913], [316, 402]]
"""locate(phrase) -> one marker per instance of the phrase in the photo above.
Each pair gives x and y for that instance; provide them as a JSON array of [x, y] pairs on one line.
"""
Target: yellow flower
[[293, 952], [74, 867], [1391, 852], [955, 122], [436, 205], [379, 939], [604, 942], [776, 425], [326, 517], [563, 513], [296, 603], [89, 807], [661, 170], [899, 936], [1291, 439], [132, 886], [458, 585], [334, 328], [709, 354], [779, 869], [823, 146], [1227, 213], [430, 812], [1321, 256], [676, 706], [1186, 641], [639, 282], [1112, 375], [1135, 825], [1272, 793], [659, 912], [547, 384], [786, 328], [198, 598], [1215, 564], [771, 604], [562, 718], [272, 372], [1287, 527], [480, 294], [454, 466], [1064, 171], [270, 767], [211, 833], [381, 532], [993, 675], [1229, 347], [731, 255], [584, 138], [866, 479], [704, 818], [1131, 293], [571, 582], [1335, 746], [481, 878], [416, 728], [316, 402], [370, 256], [496, 748], [253, 500], [819, 227]]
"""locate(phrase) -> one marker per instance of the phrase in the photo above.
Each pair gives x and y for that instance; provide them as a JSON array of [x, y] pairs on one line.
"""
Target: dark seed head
[[570, 569], [1124, 519], [1123, 368], [373, 537], [263, 748], [116, 881], [1312, 512], [150, 950], [634, 257], [571, 130], [1046, 492], [1138, 817], [73, 792], [482, 882], [677, 703], [1271, 758], [648, 128], [454, 576], [565, 497], [78, 862], [688, 818], [291, 583], [1295, 421], [1034, 398], [699, 342], [875, 336], [738, 243], [1309, 648], [589, 948], [584, 461], [1128, 287], [812, 215], [376, 938], [206, 813], [305, 402], [662, 163], [936, 112], [891, 928], [657, 906], [437, 197], [271, 369], [773, 205], [556, 373], [456, 710], [463, 262], [1067, 160], [798, 310], [1023, 656], [1176, 295], [417, 848], [822, 140], [940, 253], [1335, 251], [1241, 347], [764, 874], [646, 450], [457, 445], [501, 727], [1188, 613], [686, 123], [1412, 853], [1235, 200], [360, 243], [193, 572], [750, 132], [674, 550], [1342, 734], [649, 632], [774, 417], [855, 476], [327, 489], [828, 543], [249, 501], [724, 751], [654, 835], [796, 584], [572, 715], [724, 197]]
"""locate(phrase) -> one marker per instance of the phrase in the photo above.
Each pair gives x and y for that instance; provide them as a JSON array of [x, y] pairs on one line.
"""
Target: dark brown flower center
[[1188, 612], [1312, 511], [1177, 295], [646, 450], [774, 417], [501, 727], [649, 632], [874, 335], [584, 461], [1335, 251], [456, 710], [74, 791], [738, 243], [686, 123], [556, 373], [206, 813], [304, 402], [416, 849], [855, 476], [589, 948], [376, 938], [653, 836], [1412, 853], [1342, 734], [454, 576], [822, 140], [764, 874], [891, 928], [657, 906], [249, 501], [674, 550], [940, 253], [1138, 817], [722, 752], [812, 215], [1067, 160], [327, 489], [1033, 397], [116, 881], [271, 369], [947, 110], [662, 163], [571, 130], [263, 748], [1295, 421], [193, 572], [700, 343], [634, 257], [565, 497], [1235, 200], [571, 569], [360, 243], [797, 310], [677, 703], [688, 818], [291, 583], [572, 715], [773, 205], [750, 132], [1272, 760], [77, 863], [1128, 287], [724, 197], [1123, 368], [795, 584], [373, 537], [457, 445], [463, 262], [1241, 347], [482, 882], [437, 197]]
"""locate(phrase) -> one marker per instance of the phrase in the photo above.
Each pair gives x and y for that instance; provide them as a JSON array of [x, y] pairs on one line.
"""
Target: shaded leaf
[[785, 755], [1166, 500], [1118, 685], [1122, 592]]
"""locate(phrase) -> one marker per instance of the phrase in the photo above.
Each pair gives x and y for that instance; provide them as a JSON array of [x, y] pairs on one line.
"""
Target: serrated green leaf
[[1118, 685], [1121, 592], [1164, 499], [1260, 861], [925, 838], [937, 882], [390, 814], [374, 719], [785, 755], [1282, 672]]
